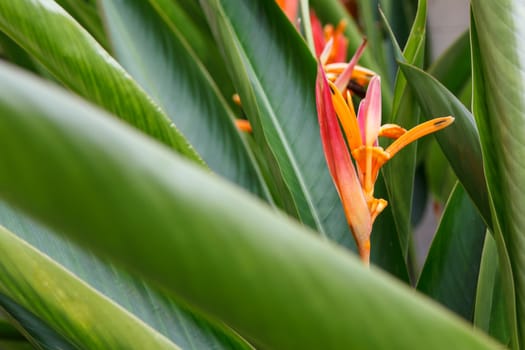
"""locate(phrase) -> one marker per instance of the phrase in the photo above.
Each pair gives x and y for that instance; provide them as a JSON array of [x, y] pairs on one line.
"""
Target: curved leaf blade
[[399, 173], [450, 273], [37, 332], [498, 58], [148, 304], [75, 310], [459, 141], [274, 73], [262, 263], [53, 37], [162, 62]]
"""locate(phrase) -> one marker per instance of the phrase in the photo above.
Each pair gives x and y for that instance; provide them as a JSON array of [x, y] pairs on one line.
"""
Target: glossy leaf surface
[[53, 37]]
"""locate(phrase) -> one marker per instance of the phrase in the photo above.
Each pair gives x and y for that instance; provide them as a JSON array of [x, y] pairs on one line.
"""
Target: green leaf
[[7, 331], [450, 273], [368, 13], [187, 19], [459, 141], [76, 311], [10, 51], [491, 305], [148, 304], [50, 35], [208, 243], [274, 73], [37, 332], [85, 12], [162, 62], [399, 173], [499, 105]]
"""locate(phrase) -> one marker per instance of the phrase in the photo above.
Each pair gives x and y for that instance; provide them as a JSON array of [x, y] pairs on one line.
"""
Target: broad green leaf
[[459, 141], [85, 12], [214, 247], [37, 332], [151, 306], [162, 62], [399, 173], [498, 105], [489, 314], [50, 35], [76, 311], [274, 73], [450, 273]]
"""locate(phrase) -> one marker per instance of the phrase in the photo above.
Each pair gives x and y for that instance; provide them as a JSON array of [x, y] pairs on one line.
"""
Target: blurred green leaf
[[499, 104], [490, 308], [450, 273], [133, 200], [85, 12], [149, 305], [74, 310], [50, 35], [459, 141], [10, 51], [162, 62], [37, 332], [274, 73]]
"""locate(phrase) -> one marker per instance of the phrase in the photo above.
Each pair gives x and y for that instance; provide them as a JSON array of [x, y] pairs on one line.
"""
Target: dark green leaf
[[162, 62], [459, 141], [450, 273], [399, 172], [38, 333]]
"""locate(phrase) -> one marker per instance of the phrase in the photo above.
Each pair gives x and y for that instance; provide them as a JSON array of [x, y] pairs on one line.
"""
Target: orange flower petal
[[341, 167]]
